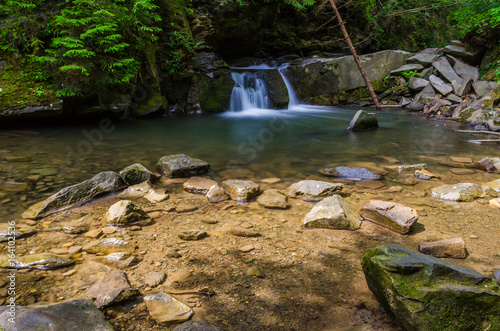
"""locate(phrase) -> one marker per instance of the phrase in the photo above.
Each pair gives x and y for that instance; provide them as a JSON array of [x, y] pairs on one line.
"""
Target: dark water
[[290, 144]]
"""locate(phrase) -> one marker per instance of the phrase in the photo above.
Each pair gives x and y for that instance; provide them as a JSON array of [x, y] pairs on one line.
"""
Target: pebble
[[192, 235], [154, 279], [473, 237], [246, 248], [68, 244], [255, 272], [135, 228], [271, 180], [242, 232], [172, 253], [394, 189]]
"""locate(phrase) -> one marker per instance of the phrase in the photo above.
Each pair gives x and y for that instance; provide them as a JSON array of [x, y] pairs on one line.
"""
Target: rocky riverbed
[[238, 264]]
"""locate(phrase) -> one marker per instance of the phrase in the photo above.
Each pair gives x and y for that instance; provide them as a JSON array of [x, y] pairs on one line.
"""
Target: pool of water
[[290, 144]]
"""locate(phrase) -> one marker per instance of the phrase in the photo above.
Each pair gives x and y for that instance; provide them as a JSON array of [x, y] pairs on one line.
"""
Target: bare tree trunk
[[355, 55]]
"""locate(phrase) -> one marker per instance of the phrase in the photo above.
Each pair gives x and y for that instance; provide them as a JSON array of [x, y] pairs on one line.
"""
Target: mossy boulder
[[426, 293], [137, 173], [182, 165]]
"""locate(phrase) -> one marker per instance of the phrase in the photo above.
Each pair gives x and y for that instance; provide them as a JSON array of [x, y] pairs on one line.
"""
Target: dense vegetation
[[83, 46]]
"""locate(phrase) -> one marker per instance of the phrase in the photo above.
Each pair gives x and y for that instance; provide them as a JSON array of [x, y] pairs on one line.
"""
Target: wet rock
[[236, 173], [459, 192], [72, 315], [184, 208], [313, 190], [350, 172], [182, 165], [424, 174], [192, 235], [156, 196], [423, 59], [494, 184], [333, 213], [35, 261], [426, 293], [216, 194], [137, 173], [495, 203], [255, 272], [136, 191], [240, 190], [453, 248], [486, 165], [363, 121], [440, 85], [372, 184], [461, 159], [394, 189], [107, 246], [391, 215], [77, 226], [123, 213], [17, 231], [112, 288], [444, 67], [14, 186], [197, 326], [407, 67], [271, 180], [154, 279], [417, 84], [410, 167], [242, 232], [165, 309], [96, 233], [272, 199], [198, 185], [101, 183], [462, 171]]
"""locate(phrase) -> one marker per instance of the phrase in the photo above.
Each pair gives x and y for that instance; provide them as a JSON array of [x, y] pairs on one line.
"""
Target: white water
[[291, 91], [249, 92]]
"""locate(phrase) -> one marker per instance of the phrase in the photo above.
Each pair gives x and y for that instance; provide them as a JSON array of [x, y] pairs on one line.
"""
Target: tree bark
[[356, 58]]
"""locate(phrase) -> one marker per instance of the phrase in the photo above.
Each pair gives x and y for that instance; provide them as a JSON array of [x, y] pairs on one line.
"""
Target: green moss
[[215, 94]]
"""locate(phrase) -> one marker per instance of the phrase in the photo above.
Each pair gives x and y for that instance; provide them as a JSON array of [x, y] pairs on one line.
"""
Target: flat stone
[[465, 70], [272, 199], [452, 164], [462, 171], [494, 184], [74, 250], [424, 174], [77, 226], [197, 326], [246, 249], [93, 233], [486, 164], [454, 98], [192, 235], [156, 196], [444, 67], [448, 248], [14, 186], [410, 167], [407, 67], [495, 203], [216, 194], [136, 191], [472, 55], [362, 121], [242, 232], [184, 208], [271, 180], [461, 159], [17, 231], [109, 229], [72, 315], [370, 184], [391, 159], [394, 216], [463, 88], [182, 165], [165, 309], [394, 189], [112, 288], [107, 246], [59, 251], [482, 87], [198, 185], [417, 84], [40, 261], [124, 212], [313, 190], [350, 172], [240, 190], [423, 59], [440, 85], [333, 213], [153, 279], [459, 192], [137, 173]]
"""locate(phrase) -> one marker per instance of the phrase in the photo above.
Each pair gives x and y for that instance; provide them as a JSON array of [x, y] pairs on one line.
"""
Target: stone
[[216, 194], [333, 213], [486, 165], [156, 196], [444, 67], [472, 55], [71, 315], [182, 165], [242, 232], [93, 233], [462, 171], [417, 84], [107, 246], [407, 67], [425, 293], [440, 85], [101, 183], [14, 187], [272, 199], [192, 235], [410, 167], [124, 212], [454, 98], [17, 231], [185, 208], [254, 272], [424, 174], [198, 185], [423, 97], [463, 88], [363, 121], [247, 248], [77, 226], [236, 173], [465, 70], [394, 189], [461, 159], [392, 215], [482, 87], [459, 192], [423, 59], [271, 180], [312, 190], [495, 202], [112, 288], [136, 191], [448, 248], [74, 250], [240, 190], [197, 326], [372, 184], [404, 101], [40, 261], [350, 172], [136, 174], [44, 172], [165, 309], [494, 184], [426, 73], [153, 279]]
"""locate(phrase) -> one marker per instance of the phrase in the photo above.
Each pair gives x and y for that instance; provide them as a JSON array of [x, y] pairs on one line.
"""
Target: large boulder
[[362, 121], [426, 293], [350, 172], [391, 215], [459, 192], [333, 213], [182, 165], [137, 173], [313, 190], [276, 87], [101, 183], [73, 315]]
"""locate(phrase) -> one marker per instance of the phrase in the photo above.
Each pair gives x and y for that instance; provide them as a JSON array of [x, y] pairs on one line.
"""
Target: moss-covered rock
[[137, 173], [276, 87], [426, 293]]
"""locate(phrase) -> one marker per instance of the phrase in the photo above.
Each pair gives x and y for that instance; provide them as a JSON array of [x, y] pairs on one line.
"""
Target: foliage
[[410, 73]]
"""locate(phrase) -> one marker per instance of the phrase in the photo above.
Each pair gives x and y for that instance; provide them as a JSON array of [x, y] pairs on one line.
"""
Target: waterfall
[[249, 92], [291, 92]]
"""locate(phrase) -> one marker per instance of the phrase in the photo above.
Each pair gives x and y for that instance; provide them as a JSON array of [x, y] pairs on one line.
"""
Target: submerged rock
[[182, 165], [154, 279], [362, 121], [313, 190], [454, 248], [125, 212], [137, 173], [350, 172], [216, 194], [391, 215], [240, 190], [36, 261], [156, 196], [17, 231], [272, 199], [112, 288], [69, 316], [333, 213], [136, 191], [107, 246], [426, 293], [101, 183], [459, 192], [197, 326], [165, 309], [198, 185], [77, 226]]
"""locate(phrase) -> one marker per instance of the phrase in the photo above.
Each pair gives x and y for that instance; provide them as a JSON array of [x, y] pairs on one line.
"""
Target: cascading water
[[249, 92], [291, 92]]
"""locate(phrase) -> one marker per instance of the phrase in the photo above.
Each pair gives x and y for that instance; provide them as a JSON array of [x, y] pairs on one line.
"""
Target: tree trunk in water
[[355, 55]]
